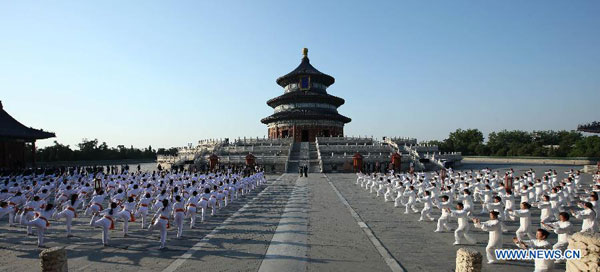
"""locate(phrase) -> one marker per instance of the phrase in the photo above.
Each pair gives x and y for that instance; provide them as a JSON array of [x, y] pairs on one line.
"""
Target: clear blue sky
[[167, 73]]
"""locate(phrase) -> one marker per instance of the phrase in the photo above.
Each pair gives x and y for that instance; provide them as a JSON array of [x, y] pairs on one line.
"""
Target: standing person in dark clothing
[[305, 171]]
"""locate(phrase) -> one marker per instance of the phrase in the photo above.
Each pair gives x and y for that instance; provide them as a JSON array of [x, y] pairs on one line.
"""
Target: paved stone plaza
[[293, 223]]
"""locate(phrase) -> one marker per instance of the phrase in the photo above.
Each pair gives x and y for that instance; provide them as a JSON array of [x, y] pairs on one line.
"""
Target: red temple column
[[294, 132], [397, 161], [214, 160], [508, 182], [357, 162], [250, 160], [97, 184], [443, 175]]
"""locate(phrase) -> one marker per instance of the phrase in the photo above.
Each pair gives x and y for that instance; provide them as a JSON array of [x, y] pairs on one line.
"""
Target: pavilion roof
[[305, 69], [305, 97], [11, 128], [306, 114]]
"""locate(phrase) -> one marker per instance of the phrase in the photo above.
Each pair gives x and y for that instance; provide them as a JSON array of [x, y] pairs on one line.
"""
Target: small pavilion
[[593, 127], [13, 137]]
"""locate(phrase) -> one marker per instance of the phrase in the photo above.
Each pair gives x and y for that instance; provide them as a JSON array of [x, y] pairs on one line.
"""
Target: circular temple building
[[305, 110]]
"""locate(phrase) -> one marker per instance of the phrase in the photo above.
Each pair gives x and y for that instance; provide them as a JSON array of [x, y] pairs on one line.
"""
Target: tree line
[[92, 150], [470, 142], [521, 143]]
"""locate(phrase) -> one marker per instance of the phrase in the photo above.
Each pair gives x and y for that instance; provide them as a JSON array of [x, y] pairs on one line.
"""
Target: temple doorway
[[305, 135]]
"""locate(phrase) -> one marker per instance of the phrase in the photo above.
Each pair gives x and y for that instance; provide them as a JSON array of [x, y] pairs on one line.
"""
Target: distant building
[[307, 130], [593, 127], [305, 111], [13, 136]]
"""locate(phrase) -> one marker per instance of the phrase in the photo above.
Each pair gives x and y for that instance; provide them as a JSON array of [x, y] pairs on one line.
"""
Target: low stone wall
[[274, 168], [468, 260], [589, 244], [516, 160], [54, 260], [165, 166], [93, 163], [590, 169]]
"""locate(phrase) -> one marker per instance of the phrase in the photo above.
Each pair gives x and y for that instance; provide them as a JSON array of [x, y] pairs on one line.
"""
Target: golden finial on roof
[[305, 52]]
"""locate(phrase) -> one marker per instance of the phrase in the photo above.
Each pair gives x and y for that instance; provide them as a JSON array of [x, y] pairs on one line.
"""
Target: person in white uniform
[[412, 199], [4, 209], [588, 215], [161, 221], [540, 242], [495, 235], [444, 206], [524, 215], [127, 214], [178, 215], [191, 207], [69, 211], [563, 228], [427, 204], [96, 204], [106, 222], [143, 207], [462, 231], [40, 222], [204, 203]]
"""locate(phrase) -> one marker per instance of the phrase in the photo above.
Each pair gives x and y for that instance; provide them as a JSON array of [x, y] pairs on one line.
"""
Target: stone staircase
[[302, 154], [313, 157], [293, 162], [304, 151]]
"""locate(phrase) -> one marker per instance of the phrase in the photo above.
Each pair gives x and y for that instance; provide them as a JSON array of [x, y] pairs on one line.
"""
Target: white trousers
[[162, 226], [463, 232], [40, 225], [68, 216], [103, 223]]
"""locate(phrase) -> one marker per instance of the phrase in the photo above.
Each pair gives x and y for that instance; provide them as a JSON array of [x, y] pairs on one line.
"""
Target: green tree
[[508, 143], [465, 141], [90, 150], [586, 147]]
